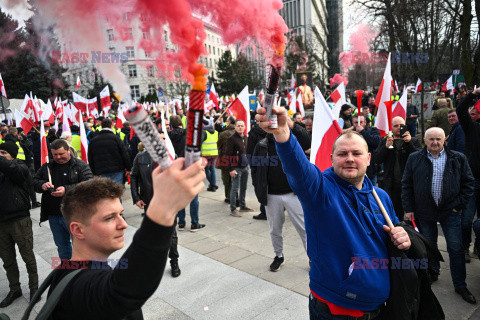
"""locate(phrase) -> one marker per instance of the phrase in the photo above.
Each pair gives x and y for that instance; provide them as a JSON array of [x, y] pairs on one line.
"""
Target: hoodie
[[346, 242]]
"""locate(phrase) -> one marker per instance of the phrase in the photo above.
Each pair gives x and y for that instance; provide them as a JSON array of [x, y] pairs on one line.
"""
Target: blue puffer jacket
[[344, 225]]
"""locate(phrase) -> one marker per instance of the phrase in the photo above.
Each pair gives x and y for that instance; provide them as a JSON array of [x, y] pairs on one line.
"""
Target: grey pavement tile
[[302, 288], [205, 246], [185, 237], [229, 254], [288, 276], [254, 264], [293, 307], [256, 227], [156, 308]]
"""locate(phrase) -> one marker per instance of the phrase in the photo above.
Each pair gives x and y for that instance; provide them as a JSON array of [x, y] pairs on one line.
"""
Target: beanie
[[10, 147]]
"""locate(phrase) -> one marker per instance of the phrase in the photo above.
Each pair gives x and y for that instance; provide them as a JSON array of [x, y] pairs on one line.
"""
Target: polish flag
[[213, 96], [47, 114], [83, 141], [30, 108], [418, 87], [394, 85], [21, 120], [384, 95], [338, 97], [400, 107], [448, 85], [78, 83], [208, 106], [105, 99], [232, 97], [92, 107], [240, 108], [66, 114], [2, 87], [293, 103], [325, 130], [79, 102], [436, 84], [43, 143], [120, 117], [300, 105]]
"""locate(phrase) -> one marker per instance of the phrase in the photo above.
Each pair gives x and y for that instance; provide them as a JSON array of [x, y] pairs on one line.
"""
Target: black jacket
[[78, 171], [372, 137], [236, 151], [457, 187], [141, 178], [178, 136], [387, 157], [254, 136], [102, 293], [472, 134], [14, 176], [411, 295], [107, 153]]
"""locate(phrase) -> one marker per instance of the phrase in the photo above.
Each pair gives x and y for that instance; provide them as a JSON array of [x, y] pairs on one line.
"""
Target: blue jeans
[[239, 183], [61, 236], [317, 313], [115, 176], [211, 175], [452, 229], [193, 212]]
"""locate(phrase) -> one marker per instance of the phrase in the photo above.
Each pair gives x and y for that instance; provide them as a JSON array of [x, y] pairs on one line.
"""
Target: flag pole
[[223, 113], [382, 209]]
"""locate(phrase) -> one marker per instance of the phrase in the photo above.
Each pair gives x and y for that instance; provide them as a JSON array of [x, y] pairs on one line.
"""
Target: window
[[130, 33], [151, 71], [147, 54], [209, 49], [130, 52], [132, 71], [111, 37], [152, 89], [135, 90], [146, 35]]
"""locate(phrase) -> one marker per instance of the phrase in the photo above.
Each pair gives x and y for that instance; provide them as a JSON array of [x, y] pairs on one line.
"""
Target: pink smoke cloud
[[360, 42], [337, 79]]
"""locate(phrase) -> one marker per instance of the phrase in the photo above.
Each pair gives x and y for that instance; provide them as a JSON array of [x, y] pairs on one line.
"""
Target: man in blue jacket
[[346, 231]]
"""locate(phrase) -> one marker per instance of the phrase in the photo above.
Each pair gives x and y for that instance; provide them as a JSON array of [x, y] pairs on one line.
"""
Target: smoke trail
[[337, 79]]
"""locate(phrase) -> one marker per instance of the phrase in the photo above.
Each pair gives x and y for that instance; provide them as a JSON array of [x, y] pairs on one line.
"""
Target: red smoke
[[360, 42], [337, 79]]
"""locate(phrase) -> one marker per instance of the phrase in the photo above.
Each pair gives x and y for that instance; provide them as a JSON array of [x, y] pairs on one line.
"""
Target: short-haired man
[[440, 117], [65, 172], [15, 222], [222, 162], [343, 222], [436, 186], [297, 118], [94, 215]]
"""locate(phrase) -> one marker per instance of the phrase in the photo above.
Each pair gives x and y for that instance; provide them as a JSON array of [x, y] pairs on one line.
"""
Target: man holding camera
[[393, 153], [65, 173]]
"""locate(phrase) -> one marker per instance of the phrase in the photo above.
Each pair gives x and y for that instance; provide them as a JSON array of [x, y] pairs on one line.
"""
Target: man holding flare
[[343, 223]]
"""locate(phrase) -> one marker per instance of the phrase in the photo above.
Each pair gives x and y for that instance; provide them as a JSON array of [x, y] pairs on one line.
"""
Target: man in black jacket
[[273, 191], [15, 222], [94, 215], [393, 152], [255, 135], [107, 154], [436, 186], [53, 180], [372, 137]]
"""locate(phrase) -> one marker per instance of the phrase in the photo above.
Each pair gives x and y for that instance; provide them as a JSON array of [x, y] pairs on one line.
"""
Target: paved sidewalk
[[225, 271]]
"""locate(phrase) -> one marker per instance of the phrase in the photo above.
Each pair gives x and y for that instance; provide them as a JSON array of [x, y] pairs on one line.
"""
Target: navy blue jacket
[[457, 186], [472, 133], [456, 141]]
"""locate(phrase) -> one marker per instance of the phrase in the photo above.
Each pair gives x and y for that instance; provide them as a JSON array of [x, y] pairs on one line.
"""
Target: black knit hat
[[10, 147]]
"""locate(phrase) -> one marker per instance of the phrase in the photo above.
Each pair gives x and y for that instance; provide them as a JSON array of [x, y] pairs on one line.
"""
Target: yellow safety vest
[[21, 153], [184, 122], [122, 136], [395, 98], [209, 146], [77, 144]]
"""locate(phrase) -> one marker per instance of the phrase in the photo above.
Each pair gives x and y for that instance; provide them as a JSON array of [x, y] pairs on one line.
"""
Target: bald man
[[440, 117], [394, 160], [436, 186], [343, 224]]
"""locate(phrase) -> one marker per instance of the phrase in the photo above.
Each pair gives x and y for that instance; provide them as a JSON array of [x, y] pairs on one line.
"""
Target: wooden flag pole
[[382, 209]]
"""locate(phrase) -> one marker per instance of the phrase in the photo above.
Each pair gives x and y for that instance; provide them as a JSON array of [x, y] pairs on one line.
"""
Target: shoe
[[175, 269], [211, 189], [32, 293], [433, 277], [468, 258], [216, 187], [245, 209], [277, 262], [181, 226], [227, 200], [196, 227], [234, 213], [11, 296], [261, 216], [466, 295], [36, 205]]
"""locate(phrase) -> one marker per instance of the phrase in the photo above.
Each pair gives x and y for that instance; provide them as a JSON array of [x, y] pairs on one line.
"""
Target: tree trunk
[[466, 54]]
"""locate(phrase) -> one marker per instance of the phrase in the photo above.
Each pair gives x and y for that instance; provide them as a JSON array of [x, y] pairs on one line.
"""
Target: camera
[[403, 129]]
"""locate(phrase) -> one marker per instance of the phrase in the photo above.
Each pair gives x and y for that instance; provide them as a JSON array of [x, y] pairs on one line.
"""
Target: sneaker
[[261, 216], [245, 209], [11, 296], [468, 258], [196, 227], [234, 213], [277, 262], [181, 226], [211, 189], [216, 187], [175, 268]]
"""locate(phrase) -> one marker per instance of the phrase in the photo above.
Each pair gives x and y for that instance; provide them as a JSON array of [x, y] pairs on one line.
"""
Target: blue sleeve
[[304, 178]]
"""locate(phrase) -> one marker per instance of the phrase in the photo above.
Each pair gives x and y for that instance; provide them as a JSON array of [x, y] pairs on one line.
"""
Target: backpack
[[52, 300]]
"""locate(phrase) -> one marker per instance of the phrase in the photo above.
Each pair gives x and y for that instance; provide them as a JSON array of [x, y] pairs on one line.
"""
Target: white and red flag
[[65, 120], [79, 102], [418, 87], [240, 108], [384, 95], [400, 107], [30, 108], [448, 85], [293, 83], [208, 106], [339, 98], [83, 141], [21, 120], [120, 117], [213, 96], [2, 87], [325, 130], [394, 85], [435, 85], [105, 99], [168, 142], [300, 105], [261, 95], [293, 103], [78, 84], [92, 107], [47, 112], [43, 144]]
